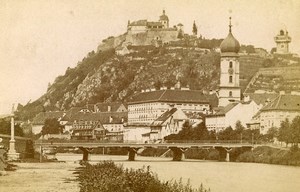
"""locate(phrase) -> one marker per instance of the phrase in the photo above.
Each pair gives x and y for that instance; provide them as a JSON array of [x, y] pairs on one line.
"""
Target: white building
[[146, 107], [229, 115], [230, 109], [276, 111], [168, 123]]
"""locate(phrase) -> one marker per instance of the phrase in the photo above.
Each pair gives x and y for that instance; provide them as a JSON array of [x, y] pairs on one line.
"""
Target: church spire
[[230, 25]]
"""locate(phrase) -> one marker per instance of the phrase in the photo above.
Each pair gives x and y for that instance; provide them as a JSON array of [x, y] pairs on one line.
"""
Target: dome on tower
[[164, 16], [230, 44]]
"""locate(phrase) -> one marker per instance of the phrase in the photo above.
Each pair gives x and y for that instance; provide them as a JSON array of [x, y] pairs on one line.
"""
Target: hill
[[106, 76]]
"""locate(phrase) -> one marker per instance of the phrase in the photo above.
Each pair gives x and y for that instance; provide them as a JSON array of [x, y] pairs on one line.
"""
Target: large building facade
[[276, 111], [146, 107]]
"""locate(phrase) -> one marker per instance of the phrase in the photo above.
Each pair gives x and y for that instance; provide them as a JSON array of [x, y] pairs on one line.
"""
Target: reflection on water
[[218, 176]]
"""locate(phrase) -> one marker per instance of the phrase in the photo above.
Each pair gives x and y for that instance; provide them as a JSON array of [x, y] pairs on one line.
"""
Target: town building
[[98, 126], [282, 41], [168, 123], [231, 109], [110, 107], [229, 115], [147, 107], [285, 106]]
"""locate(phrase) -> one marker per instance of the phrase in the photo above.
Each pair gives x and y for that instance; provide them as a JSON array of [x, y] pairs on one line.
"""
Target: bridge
[[177, 147]]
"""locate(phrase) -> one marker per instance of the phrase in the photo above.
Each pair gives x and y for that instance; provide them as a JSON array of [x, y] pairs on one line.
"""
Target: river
[[218, 176]]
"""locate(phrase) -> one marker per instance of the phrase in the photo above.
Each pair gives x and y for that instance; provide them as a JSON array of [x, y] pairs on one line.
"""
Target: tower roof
[[164, 16], [230, 44]]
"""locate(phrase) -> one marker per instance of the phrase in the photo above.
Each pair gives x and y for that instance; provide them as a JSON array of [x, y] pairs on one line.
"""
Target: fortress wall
[[149, 37], [165, 36], [137, 39]]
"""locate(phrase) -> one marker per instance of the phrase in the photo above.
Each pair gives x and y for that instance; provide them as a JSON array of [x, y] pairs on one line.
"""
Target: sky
[[40, 39]]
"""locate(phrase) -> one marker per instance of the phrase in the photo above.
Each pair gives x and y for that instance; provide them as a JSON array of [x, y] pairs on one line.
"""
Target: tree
[[5, 128], [284, 133], [272, 133], [52, 126], [195, 30], [295, 131]]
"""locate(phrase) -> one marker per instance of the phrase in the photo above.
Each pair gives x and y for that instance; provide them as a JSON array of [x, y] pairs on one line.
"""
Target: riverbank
[[40, 177]]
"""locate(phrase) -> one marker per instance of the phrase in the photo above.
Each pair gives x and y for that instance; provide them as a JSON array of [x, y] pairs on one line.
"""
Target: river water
[[218, 176]]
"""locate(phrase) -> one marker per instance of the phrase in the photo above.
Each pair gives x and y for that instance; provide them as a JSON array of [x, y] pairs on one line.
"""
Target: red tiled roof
[[285, 103], [183, 96]]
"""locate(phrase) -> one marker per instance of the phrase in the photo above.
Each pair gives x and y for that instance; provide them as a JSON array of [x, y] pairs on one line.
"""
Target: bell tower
[[229, 87]]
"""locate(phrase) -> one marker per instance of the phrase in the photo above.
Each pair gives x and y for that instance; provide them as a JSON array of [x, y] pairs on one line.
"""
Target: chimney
[[110, 119], [108, 108]]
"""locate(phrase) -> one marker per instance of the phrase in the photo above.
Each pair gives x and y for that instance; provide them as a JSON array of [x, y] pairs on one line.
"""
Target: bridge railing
[[209, 141], [41, 142]]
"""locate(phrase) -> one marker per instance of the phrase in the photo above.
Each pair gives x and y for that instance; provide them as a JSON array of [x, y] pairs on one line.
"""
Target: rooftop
[[182, 96], [285, 103]]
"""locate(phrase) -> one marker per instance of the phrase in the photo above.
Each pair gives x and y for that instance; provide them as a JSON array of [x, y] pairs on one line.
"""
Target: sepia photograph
[[149, 96]]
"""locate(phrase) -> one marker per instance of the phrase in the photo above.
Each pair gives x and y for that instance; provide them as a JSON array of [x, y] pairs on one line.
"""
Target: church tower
[[164, 19], [282, 41], [229, 88]]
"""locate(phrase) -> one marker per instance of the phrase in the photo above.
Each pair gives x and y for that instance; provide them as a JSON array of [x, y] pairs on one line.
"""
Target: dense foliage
[[272, 156], [290, 132], [5, 128], [200, 132], [52, 126], [107, 177]]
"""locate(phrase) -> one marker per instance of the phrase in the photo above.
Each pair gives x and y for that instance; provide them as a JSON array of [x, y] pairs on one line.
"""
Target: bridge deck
[[142, 145]]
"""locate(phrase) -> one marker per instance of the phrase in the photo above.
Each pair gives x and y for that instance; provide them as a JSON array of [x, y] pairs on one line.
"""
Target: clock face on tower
[[230, 71]]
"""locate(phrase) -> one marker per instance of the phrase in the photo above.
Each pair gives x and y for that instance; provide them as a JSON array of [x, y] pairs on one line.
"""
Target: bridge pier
[[132, 151], [228, 149], [178, 153], [85, 153]]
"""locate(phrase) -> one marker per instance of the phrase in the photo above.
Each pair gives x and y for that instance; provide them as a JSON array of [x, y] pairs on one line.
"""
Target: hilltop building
[[282, 41], [144, 32]]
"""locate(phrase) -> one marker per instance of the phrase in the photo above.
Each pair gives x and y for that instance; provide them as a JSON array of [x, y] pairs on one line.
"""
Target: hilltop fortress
[[144, 32]]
